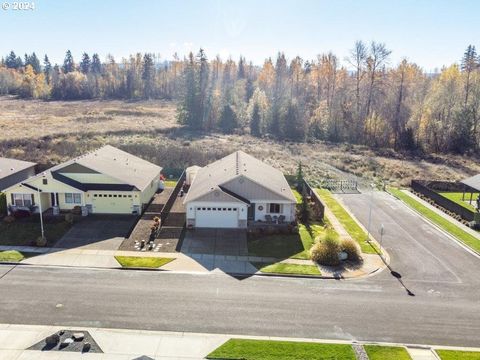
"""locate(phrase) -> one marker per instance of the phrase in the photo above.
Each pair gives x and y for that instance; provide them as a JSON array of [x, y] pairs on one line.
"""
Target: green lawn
[[11, 256], [285, 350], [170, 183], [457, 197], [298, 196], [458, 355], [279, 268], [446, 225], [350, 225], [24, 233], [376, 352], [284, 246], [142, 262]]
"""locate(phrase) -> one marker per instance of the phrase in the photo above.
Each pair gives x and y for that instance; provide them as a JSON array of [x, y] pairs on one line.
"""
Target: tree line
[[366, 102]]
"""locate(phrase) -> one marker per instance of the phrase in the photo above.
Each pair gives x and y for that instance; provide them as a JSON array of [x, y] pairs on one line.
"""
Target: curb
[[238, 275], [446, 233]]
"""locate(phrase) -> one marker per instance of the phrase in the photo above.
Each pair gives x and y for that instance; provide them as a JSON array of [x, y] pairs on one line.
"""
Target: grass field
[[64, 129], [350, 225], [285, 350], [376, 352], [457, 197], [142, 262], [24, 233], [458, 355], [446, 225], [280, 268]]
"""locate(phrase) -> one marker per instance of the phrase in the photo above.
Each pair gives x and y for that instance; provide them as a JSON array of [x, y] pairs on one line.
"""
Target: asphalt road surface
[[442, 276]]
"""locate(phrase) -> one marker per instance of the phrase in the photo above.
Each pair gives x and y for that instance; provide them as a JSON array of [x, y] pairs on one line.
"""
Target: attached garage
[[104, 203], [216, 217]]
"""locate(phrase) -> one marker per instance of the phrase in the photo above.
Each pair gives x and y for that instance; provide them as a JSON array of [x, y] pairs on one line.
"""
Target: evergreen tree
[[13, 61], [255, 121], [34, 62], [186, 111], [294, 126], [202, 104], [228, 120], [85, 63], [96, 66], [68, 63], [469, 64], [47, 69], [241, 68], [148, 75]]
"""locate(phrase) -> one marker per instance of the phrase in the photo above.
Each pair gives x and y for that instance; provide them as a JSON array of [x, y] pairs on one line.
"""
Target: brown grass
[[51, 132]]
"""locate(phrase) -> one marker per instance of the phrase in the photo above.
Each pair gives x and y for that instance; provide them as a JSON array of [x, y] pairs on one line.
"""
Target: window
[[274, 208], [25, 200], [71, 198], [45, 182]]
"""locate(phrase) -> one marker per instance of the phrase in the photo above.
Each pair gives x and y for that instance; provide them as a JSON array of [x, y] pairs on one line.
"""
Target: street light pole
[[41, 214], [370, 213]]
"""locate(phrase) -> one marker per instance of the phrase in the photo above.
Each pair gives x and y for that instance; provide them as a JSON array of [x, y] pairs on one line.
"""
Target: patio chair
[[268, 219], [281, 219]]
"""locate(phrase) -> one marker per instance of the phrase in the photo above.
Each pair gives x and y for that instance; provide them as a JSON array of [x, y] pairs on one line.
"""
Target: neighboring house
[[13, 171], [235, 190], [104, 181]]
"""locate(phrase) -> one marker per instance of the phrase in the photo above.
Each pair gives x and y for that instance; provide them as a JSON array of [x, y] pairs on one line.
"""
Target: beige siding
[[92, 178], [251, 190]]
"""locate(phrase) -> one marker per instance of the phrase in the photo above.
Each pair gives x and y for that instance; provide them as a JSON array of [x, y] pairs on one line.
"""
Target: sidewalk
[[120, 344], [185, 263]]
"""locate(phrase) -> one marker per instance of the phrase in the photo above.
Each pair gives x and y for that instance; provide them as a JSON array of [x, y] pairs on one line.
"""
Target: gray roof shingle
[[11, 166], [473, 182], [239, 163]]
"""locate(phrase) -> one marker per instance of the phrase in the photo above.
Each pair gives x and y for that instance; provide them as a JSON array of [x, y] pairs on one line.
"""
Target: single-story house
[[104, 181], [13, 171], [235, 190]]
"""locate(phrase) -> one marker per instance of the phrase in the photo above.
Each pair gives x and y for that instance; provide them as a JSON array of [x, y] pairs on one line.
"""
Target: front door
[[251, 212]]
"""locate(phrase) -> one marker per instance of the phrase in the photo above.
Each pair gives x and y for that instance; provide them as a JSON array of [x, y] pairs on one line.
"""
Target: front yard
[[286, 350], [283, 268], [377, 352], [142, 262], [458, 355], [25, 232]]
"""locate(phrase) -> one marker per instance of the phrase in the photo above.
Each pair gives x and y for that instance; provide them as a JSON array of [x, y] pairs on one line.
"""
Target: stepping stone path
[[360, 352]]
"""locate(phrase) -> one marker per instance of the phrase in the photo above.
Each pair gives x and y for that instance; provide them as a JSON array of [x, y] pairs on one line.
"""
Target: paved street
[[441, 274]]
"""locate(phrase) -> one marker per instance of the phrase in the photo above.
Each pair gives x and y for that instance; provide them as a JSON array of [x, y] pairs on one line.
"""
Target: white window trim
[[73, 200], [280, 210], [22, 197]]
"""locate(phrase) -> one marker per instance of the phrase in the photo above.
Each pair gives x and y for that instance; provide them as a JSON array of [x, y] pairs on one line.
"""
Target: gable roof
[[238, 164], [473, 182], [131, 170], [11, 166]]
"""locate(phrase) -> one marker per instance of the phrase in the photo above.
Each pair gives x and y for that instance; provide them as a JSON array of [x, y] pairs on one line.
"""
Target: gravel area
[[70, 345], [360, 352]]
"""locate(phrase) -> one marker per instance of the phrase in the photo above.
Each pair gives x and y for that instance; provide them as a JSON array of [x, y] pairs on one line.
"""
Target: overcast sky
[[431, 33]]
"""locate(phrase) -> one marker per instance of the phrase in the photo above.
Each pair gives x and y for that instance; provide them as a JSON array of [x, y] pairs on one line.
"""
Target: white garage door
[[216, 217], [112, 204]]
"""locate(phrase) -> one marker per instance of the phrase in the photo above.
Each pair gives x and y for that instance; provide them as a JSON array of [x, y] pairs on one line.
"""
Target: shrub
[[69, 218], [352, 249], [41, 241], [9, 219], [326, 251], [3, 204]]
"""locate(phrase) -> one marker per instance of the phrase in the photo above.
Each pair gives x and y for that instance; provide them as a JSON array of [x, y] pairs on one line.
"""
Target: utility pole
[[41, 214]]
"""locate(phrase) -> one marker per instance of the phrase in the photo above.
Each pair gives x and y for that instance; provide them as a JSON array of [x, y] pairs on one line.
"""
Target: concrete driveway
[[231, 242], [97, 232]]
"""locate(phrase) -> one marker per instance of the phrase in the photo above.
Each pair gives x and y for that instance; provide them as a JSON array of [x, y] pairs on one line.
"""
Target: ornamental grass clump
[[325, 252], [352, 249]]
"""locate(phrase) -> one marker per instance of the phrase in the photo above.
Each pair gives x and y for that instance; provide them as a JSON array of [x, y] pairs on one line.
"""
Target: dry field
[[51, 132]]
